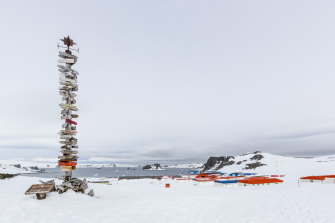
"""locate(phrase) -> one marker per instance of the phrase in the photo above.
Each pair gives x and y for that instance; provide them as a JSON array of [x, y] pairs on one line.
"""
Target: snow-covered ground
[[146, 201]]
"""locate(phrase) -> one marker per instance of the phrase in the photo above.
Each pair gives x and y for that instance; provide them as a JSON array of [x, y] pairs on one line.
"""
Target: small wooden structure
[[41, 190]]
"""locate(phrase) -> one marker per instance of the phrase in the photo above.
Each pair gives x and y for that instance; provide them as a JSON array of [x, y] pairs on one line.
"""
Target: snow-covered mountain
[[265, 163], [16, 169]]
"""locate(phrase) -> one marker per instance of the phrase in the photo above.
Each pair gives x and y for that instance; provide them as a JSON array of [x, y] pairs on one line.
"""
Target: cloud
[[170, 84], [305, 134]]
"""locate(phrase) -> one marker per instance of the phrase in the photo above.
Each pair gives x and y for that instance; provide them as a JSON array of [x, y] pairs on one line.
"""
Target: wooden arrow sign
[[70, 121], [63, 60]]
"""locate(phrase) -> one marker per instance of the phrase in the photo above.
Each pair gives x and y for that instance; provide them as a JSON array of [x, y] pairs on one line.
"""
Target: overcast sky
[[177, 79]]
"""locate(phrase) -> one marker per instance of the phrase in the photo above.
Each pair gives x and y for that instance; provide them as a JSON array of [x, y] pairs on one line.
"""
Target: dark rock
[[17, 165], [250, 166], [6, 176], [223, 164], [257, 157], [220, 161], [153, 166], [240, 162], [33, 167]]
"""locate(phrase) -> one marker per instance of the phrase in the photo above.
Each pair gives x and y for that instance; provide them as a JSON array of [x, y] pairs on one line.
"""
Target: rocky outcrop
[[34, 168], [218, 162], [246, 161], [240, 162], [252, 166], [155, 166], [257, 157], [6, 176]]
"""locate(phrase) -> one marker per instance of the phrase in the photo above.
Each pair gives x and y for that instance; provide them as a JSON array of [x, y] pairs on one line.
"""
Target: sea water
[[110, 172]]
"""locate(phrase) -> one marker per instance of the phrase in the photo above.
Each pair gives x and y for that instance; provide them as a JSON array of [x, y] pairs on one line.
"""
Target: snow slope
[[275, 164], [148, 201]]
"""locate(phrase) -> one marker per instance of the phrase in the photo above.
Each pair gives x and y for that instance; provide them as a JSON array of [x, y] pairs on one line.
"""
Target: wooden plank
[[68, 168], [66, 55], [69, 151], [72, 61], [74, 81], [71, 107], [40, 188], [71, 122], [67, 132], [65, 136], [68, 157]]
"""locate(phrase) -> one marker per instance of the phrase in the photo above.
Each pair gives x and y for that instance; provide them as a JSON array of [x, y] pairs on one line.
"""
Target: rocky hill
[[249, 161], [155, 166], [265, 163]]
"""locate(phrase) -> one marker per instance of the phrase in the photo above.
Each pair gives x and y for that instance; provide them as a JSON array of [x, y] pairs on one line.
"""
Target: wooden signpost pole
[[68, 160], [68, 85]]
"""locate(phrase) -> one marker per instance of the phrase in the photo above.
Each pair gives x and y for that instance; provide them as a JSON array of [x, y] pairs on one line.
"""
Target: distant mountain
[[186, 165], [17, 168], [266, 163], [155, 166]]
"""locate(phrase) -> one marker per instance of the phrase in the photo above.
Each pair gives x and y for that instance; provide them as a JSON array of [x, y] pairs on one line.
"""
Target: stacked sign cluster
[[67, 89], [68, 159]]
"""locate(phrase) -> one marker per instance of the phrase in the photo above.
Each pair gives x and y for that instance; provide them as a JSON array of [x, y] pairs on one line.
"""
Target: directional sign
[[63, 60]]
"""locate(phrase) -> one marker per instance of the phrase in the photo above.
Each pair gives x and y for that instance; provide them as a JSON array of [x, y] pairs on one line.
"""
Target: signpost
[[68, 141]]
